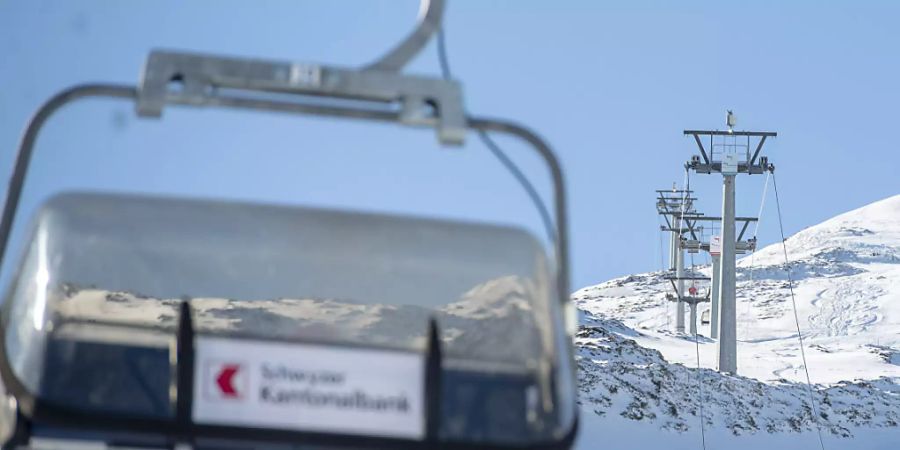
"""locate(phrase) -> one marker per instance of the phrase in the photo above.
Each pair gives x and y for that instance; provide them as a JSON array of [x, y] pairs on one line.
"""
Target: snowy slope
[[847, 286], [620, 379]]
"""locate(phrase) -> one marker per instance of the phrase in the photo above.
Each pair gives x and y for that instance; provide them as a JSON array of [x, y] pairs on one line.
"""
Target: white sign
[[715, 245], [306, 75], [309, 388], [730, 164]]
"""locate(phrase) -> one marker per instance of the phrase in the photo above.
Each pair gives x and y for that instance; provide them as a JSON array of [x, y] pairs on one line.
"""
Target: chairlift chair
[[102, 345]]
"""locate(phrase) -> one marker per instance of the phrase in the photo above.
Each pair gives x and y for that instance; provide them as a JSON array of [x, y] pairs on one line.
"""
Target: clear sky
[[611, 85]]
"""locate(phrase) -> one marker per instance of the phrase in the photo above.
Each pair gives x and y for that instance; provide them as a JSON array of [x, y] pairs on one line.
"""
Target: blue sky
[[611, 85]]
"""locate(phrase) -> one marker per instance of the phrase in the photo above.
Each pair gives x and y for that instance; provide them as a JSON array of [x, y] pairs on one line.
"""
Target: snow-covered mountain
[[846, 275]]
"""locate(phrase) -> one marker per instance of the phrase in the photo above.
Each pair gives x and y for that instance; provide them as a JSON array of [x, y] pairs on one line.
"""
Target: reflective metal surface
[[95, 306]]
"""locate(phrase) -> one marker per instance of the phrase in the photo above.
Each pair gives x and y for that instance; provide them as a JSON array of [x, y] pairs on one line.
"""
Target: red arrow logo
[[225, 380]]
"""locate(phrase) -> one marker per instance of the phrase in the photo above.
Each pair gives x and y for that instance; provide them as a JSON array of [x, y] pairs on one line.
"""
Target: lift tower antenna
[[729, 154]]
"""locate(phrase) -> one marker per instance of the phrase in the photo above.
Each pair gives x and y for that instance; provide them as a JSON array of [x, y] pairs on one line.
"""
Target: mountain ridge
[[846, 273]]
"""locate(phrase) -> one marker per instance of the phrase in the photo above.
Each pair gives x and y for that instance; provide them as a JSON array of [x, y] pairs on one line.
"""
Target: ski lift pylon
[[47, 350]]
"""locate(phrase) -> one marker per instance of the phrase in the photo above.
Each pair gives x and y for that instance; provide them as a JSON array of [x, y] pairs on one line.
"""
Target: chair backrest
[[136, 250]]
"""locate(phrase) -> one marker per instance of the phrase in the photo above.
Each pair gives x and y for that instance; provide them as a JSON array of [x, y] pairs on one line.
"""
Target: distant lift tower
[[694, 244], [691, 298], [729, 154], [671, 204]]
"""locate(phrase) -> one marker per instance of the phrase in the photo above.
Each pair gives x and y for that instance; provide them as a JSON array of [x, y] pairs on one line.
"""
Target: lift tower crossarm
[[691, 219], [688, 277], [730, 133], [709, 166]]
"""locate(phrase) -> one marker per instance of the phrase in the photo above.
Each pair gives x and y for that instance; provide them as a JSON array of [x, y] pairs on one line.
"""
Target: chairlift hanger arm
[[380, 81], [431, 14], [202, 76]]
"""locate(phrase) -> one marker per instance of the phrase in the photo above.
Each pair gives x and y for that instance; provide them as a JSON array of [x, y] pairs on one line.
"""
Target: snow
[[616, 432], [846, 274]]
